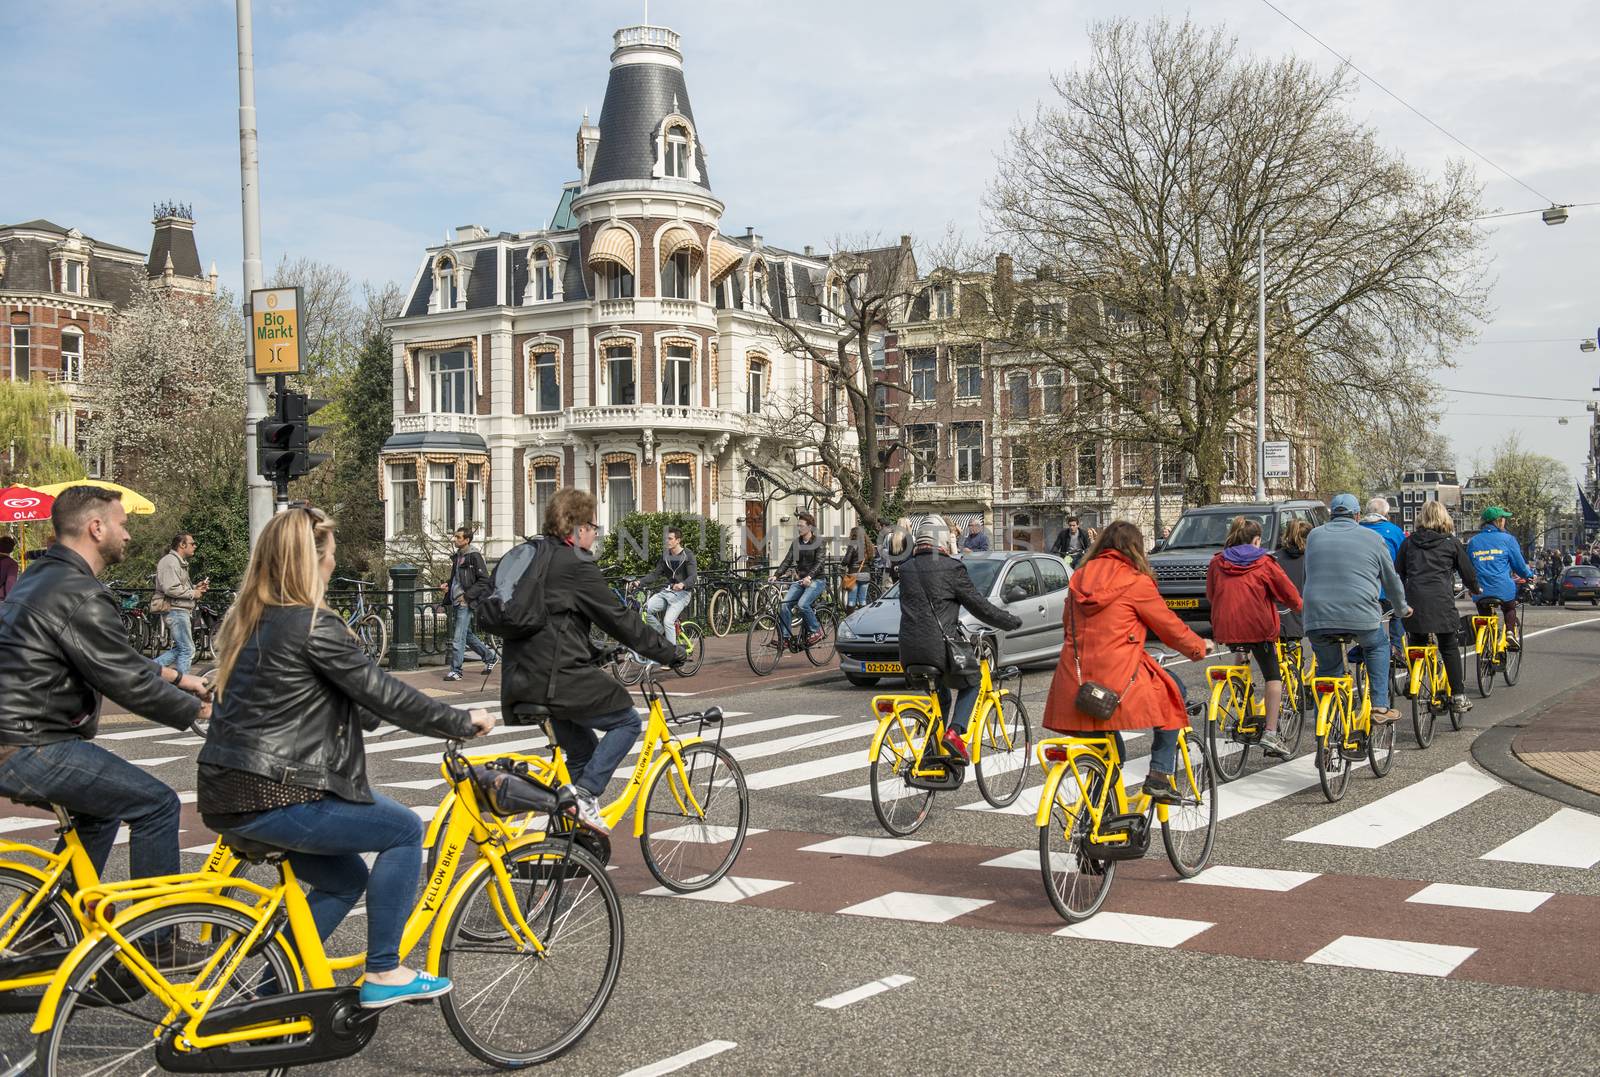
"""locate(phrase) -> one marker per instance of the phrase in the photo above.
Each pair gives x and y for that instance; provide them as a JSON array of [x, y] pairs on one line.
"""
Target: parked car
[[1579, 581], [1180, 563], [1031, 585]]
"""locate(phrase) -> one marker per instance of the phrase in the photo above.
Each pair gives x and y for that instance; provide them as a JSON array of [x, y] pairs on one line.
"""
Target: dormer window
[[447, 286], [943, 301], [677, 158], [758, 286], [72, 278], [675, 149], [544, 280]]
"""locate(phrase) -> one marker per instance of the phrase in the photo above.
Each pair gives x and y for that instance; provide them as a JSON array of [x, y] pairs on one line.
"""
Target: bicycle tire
[[886, 782], [1189, 857], [719, 612], [822, 652], [1291, 718], [762, 645], [1511, 671], [570, 900], [374, 636], [629, 668], [1076, 884], [1380, 748], [1422, 716], [1333, 769], [1222, 721], [671, 831], [997, 729], [1486, 672], [695, 645], [52, 927], [110, 998]]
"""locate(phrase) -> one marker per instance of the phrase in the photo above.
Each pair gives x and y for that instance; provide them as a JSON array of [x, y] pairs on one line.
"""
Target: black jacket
[[1293, 563], [934, 587], [670, 570], [297, 699], [1428, 563], [469, 572], [556, 666], [804, 558], [62, 647]]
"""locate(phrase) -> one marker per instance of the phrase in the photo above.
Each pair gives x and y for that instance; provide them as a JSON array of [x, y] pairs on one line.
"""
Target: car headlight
[[845, 631]]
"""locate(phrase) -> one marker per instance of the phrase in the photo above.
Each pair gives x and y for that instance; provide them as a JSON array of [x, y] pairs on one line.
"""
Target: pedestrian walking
[[176, 597], [469, 582], [859, 553]]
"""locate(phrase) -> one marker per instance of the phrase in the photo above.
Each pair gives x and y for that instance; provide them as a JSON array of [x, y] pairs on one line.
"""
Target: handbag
[[847, 582], [160, 603], [1093, 700]]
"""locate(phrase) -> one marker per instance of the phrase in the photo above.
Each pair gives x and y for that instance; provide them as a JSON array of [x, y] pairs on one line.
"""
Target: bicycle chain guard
[[340, 1026]]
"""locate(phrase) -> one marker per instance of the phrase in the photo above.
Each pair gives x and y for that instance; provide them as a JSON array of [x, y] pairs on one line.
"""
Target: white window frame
[[1013, 380], [677, 147], [442, 510], [74, 357], [756, 388], [542, 275], [1053, 472], [968, 458], [684, 481], [69, 286], [1230, 460], [685, 383], [25, 347], [928, 373], [680, 282], [1133, 457], [1051, 381], [1092, 449], [924, 468], [536, 483], [964, 363], [540, 358], [614, 517], [615, 282], [611, 362], [447, 284], [436, 379]]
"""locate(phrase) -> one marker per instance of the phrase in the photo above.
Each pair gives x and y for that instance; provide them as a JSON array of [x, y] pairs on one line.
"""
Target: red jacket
[[1115, 607], [1245, 590]]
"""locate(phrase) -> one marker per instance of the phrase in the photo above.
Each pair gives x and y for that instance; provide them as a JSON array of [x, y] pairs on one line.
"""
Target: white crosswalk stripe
[[1404, 811]]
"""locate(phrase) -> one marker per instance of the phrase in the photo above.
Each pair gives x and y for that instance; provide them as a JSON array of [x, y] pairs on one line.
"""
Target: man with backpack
[[468, 583], [545, 595]]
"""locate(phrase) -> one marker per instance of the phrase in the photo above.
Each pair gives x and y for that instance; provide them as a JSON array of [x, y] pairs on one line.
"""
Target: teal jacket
[[1347, 567]]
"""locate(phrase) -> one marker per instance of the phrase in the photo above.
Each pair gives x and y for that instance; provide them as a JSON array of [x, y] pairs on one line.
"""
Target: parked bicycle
[[365, 621]]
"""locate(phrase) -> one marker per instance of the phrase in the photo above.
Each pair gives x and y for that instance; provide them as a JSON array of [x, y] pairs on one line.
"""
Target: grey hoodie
[[1347, 567]]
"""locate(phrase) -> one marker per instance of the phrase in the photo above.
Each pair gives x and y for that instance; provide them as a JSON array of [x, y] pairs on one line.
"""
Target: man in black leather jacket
[[63, 647]]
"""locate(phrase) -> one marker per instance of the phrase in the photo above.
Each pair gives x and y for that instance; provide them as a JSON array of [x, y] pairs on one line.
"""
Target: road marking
[[156, 761], [1404, 811], [920, 908], [418, 783], [187, 742], [727, 890], [1392, 955], [1568, 839], [1163, 931], [703, 833], [856, 845], [1558, 628], [1273, 880], [1495, 898], [499, 730], [203, 850], [1026, 859], [800, 742], [1257, 789], [137, 734], [865, 991], [801, 772], [24, 823], [682, 1059], [425, 812]]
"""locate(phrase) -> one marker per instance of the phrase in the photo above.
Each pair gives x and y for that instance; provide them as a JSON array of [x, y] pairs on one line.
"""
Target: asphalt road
[[1191, 978]]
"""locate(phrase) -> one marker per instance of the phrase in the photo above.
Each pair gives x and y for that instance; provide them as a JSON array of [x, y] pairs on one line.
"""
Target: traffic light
[[283, 440], [275, 450], [298, 408]]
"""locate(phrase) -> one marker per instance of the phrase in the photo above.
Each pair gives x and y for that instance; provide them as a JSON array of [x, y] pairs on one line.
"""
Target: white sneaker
[[589, 810], [1272, 744]]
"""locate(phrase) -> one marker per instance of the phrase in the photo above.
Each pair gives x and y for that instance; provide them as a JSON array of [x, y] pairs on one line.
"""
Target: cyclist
[[1245, 586], [1071, 543], [63, 648], [558, 667], [1429, 560], [1497, 556], [284, 763], [1291, 557], [677, 570], [804, 561], [894, 546], [934, 588], [1347, 567], [1112, 607]]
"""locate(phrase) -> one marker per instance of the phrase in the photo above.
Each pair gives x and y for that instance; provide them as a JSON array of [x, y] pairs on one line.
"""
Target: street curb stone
[[1492, 751]]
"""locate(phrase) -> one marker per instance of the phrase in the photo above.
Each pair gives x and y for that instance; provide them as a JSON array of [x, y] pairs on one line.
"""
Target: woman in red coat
[[1112, 606], [1246, 586]]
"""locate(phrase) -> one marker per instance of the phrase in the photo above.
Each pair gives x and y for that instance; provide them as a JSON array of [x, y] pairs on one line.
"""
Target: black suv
[[1181, 562]]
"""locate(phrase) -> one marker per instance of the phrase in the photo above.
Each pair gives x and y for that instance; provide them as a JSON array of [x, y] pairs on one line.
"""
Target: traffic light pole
[[255, 387], [280, 481]]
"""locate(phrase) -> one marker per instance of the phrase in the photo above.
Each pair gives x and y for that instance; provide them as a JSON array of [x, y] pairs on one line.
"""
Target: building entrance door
[[755, 530]]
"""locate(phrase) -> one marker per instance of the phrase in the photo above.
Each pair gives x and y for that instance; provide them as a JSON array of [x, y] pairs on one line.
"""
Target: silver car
[[1033, 586]]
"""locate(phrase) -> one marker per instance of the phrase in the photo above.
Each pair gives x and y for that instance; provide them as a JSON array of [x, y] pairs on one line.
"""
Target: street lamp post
[[259, 489], [1261, 368]]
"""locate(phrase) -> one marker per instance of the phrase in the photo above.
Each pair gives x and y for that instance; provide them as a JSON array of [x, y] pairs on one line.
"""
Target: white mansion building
[[621, 350]]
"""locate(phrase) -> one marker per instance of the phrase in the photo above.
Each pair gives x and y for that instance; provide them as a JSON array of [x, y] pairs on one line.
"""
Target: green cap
[[1495, 512]]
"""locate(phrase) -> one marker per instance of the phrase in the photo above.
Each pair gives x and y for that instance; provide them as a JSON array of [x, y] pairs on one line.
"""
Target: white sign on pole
[[1275, 459]]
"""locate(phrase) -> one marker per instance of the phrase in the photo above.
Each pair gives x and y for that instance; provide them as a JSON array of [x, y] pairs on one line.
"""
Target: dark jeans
[[326, 838], [462, 637], [101, 791], [1508, 610], [592, 760], [958, 704], [1374, 646], [1450, 655]]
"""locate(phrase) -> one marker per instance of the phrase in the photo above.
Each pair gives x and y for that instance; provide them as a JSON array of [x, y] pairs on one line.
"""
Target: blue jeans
[[462, 637], [960, 711], [664, 609], [806, 597], [857, 596], [326, 839], [101, 791], [1397, 631], [592, 760], [1374, 645], [181, 654]]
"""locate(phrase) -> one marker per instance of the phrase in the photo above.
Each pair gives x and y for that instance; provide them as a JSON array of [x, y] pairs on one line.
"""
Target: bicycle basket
[[504, 788]]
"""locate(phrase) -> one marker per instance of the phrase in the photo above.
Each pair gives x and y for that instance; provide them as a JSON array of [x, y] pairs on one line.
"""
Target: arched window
[[447, 286], [544, 279], [758, 286], [71, 355], [677, 152]]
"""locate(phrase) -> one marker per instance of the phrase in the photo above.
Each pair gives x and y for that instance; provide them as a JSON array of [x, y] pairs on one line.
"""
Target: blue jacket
[[1392, 537], [1496, 554], [1347, 567]]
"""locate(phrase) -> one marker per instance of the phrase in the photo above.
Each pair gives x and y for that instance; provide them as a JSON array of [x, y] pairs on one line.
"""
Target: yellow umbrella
[[136, 504]]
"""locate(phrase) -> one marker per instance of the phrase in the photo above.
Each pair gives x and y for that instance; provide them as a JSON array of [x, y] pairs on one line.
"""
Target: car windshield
[[1206, 529], [982, 574], [1586, 571]]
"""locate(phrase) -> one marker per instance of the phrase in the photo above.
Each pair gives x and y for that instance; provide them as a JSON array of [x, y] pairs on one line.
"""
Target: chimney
[[1003, 271], [905, 240], [809, 252]]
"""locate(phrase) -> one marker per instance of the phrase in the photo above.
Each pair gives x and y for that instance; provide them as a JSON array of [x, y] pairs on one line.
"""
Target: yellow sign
[[275, 330]]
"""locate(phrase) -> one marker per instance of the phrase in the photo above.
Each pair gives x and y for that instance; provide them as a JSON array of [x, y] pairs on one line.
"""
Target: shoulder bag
[[960, 657]]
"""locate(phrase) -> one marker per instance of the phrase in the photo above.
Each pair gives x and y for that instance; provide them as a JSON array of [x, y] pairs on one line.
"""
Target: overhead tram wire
[[1515, 396]]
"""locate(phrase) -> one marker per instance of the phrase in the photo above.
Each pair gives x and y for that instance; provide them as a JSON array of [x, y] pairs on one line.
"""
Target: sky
[[383, 124]]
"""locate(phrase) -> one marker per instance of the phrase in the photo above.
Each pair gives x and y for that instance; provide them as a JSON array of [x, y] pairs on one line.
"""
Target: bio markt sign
[[1275, 459], [275, 330]]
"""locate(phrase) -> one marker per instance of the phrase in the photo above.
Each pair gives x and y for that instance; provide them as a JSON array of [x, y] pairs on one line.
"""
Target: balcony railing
[[635, 415], [659, 36], [615, 308], [679, 308], [950, 491], [436, 423]]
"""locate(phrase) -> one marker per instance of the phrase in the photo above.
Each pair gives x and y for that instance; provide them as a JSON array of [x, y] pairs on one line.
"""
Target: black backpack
[[515, 608]]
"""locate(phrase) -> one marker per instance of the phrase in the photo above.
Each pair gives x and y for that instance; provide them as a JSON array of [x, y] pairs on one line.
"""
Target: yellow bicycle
[[1088, 822], [1492, 642], [1345, 732], [1236, 717], [530, 934], [910, 762], [1428, 688]]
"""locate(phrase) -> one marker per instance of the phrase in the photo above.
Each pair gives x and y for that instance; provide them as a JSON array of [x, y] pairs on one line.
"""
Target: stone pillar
[[403, 586], [501, 441]]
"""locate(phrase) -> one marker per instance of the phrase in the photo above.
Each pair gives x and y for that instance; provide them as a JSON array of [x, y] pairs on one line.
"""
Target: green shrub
[[634, 548]]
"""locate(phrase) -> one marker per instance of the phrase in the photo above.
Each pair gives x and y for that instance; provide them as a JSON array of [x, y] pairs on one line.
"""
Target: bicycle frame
[[1489, 635], [1340, 692], [1238, 683], [891, 707], [1425, 660], [1061, 756]]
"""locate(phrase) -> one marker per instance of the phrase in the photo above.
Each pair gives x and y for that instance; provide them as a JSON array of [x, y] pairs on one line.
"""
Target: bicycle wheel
[[629, 668], [1380, 748], [1513, 664], [1486, 672], [1006, 745], [513, 1006], [1076, 884], [1190, 830], [763, 645], [694, 641], [1222, 727], [1422, 689], [374, 636], [719, 612], [689, 850], [108, 1024], [1333, 769], [900, 808], [821, 652], [1291, 717], [51, 928]]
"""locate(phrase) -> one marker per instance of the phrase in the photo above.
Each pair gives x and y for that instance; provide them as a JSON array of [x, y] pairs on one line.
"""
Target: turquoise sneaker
[[422, 987]]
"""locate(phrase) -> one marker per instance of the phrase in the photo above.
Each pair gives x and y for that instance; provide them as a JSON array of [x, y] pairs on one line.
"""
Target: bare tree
[[1138, 198], [332, 316], [1533, 486]]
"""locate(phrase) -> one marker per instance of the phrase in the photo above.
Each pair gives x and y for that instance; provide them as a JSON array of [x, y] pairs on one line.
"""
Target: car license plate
[[1183, 603], [883, 667]]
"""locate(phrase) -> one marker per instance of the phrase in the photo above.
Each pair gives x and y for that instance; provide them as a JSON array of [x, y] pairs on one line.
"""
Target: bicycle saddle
[[1490, 603], [529, 713], [1008, 672], [255, 852], [932, 675]]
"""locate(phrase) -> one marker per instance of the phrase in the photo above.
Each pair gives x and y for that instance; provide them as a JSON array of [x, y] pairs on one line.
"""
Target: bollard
[[403, 584]]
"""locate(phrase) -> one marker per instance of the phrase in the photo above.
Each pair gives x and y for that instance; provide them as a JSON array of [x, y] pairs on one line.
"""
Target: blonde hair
[[284, 570], [1435, 517], [1294, 535]]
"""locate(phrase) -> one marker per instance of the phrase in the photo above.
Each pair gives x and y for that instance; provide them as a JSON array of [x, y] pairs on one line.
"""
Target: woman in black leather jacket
[[284, 762]]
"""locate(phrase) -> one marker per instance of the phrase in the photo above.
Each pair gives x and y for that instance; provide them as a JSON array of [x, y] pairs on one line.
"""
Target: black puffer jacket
[[1428, 563], [556, 666], [62, 646], [934, 588], [299, 694], [1293, 563]]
